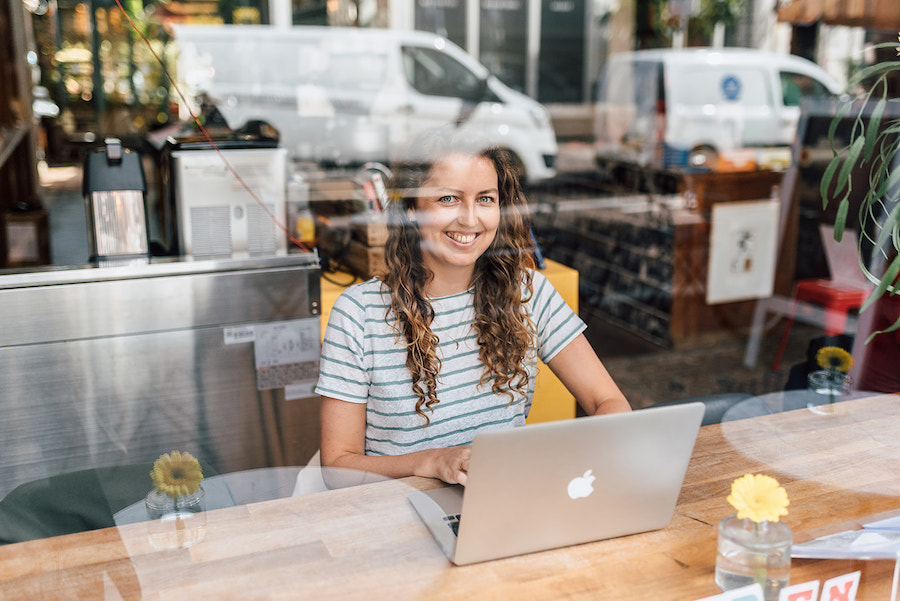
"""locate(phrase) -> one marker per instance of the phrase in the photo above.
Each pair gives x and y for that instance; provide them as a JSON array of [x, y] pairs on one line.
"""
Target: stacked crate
[[365, 255]]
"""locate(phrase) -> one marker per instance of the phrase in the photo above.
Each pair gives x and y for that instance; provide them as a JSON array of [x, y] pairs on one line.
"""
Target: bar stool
[[845, 291], [837, 298]]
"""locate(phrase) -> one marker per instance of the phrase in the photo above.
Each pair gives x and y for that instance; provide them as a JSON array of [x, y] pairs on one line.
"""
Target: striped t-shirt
[[363, 361]]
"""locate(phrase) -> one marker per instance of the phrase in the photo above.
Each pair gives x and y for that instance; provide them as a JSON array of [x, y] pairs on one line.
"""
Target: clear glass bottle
[[176, 522], [825, 388], [303, 224], [751, 552]]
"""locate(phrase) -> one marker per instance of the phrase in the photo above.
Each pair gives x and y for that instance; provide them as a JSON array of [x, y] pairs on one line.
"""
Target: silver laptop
[[562, 483]]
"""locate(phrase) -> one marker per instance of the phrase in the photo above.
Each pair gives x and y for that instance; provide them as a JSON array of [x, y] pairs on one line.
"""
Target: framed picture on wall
[[742, 251]]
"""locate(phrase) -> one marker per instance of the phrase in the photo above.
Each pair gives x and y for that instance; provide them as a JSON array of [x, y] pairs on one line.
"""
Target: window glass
[[436, 74], [796, 86]]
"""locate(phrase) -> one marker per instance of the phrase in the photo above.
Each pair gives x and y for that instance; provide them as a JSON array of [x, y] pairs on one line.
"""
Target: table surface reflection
[[365, 542]]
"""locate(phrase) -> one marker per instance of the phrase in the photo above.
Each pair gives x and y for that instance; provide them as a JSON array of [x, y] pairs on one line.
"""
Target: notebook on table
[[555, 484]]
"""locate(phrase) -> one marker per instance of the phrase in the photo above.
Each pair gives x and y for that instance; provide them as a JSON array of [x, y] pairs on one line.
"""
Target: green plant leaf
[[826, 179], [886, 280], [871, 71], [843, 109], [889, 225], [873, 127], [840, 220], [843, 179], [881, 186]]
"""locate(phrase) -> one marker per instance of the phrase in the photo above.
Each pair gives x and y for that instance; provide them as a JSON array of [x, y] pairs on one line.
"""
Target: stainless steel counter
[[111, 365]]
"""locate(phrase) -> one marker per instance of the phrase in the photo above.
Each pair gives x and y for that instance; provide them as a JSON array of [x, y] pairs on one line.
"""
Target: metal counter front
[[104, 366]]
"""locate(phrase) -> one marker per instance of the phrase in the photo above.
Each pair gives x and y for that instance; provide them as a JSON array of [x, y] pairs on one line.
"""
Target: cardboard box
[[369, 229], [364, 261], [335, 197]]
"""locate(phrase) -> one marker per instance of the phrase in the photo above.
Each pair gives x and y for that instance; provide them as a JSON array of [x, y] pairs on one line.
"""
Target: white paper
[[867, 543], [742, 251]]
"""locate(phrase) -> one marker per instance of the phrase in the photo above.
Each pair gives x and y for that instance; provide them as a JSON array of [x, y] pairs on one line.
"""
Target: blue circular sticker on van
[[731, 87]]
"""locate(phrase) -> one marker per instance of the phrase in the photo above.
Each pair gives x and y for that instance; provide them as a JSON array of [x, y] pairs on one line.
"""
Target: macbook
[[566, 482]]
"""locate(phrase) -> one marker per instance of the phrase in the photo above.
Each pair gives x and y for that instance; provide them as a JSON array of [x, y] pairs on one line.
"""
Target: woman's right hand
[[343, 445], [450, 464]]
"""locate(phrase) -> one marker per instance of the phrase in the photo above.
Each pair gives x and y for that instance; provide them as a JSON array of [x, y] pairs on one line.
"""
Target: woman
[[445, 344]]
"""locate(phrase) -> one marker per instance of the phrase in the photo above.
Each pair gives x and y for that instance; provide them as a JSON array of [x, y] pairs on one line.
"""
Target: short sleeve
[[555, 322], [343, 370]]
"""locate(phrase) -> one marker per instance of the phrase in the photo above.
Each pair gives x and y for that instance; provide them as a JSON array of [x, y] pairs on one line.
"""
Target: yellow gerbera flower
[[834, 358], [758, 497], [176, 474]]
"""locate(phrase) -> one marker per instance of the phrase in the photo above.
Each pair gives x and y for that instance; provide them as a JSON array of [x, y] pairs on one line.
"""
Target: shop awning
[[871, 14]]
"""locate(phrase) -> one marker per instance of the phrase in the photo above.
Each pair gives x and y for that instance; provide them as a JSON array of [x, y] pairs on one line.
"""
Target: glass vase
[[751, 552], [176, 522], [826, 387]]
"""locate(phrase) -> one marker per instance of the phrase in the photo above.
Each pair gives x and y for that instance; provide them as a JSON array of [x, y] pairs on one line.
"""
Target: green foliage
[[726, 12], [872, 150]]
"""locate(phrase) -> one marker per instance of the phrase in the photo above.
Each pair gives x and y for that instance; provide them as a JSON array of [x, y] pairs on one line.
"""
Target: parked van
[[695, 108], [347, 96]]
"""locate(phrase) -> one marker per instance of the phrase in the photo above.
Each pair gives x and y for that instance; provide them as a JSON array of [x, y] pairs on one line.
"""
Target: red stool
[[836, 298]]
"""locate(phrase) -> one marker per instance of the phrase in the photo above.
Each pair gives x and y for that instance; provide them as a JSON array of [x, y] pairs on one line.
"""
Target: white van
[[347, 96], [689, 108]]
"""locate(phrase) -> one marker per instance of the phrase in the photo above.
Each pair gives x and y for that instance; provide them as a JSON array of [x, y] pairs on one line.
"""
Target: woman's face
[[458, 212]]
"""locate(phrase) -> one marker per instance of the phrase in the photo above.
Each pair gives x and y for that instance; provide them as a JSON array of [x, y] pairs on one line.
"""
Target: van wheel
[[704, 157]]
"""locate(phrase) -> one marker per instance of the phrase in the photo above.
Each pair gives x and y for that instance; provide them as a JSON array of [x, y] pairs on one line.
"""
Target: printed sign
[[287, 353], [840, 588]]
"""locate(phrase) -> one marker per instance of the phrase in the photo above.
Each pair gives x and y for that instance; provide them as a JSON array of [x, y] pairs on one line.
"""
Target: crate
[[26, 238], [369, 229], [364, 261]]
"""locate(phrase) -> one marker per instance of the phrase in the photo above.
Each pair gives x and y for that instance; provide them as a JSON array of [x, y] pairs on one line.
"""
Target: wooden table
[[367, 543]]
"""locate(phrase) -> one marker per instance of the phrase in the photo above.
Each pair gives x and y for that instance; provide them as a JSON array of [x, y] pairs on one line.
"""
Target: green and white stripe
[[363, 361]]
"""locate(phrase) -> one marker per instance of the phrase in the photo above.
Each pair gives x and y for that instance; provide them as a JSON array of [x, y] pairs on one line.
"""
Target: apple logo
[[581, 486]]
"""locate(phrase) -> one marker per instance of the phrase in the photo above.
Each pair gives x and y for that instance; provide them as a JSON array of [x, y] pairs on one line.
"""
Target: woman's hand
[[450, 464], [343, 445]]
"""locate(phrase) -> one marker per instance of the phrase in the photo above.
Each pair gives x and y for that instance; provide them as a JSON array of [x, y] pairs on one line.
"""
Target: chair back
[[843, 257]]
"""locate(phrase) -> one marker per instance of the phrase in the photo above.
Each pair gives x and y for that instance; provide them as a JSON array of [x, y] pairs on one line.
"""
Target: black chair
[[73, 502], [716, 404], [798, 373]]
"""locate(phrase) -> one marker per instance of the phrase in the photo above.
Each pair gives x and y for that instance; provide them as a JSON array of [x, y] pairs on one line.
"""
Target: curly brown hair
[[504, 330]]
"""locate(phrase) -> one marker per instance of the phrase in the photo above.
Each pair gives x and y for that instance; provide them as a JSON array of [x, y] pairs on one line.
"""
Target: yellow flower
[[758, 497], [176, 474], [834, 358]]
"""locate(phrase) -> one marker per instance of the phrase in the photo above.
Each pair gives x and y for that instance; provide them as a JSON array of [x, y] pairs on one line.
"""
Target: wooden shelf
[[18, 160]]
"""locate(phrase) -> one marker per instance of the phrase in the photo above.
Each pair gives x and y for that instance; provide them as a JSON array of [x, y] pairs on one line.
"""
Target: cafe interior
[[167, 275]]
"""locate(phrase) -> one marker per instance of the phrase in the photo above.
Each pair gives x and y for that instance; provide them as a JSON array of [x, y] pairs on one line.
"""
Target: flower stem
[[760, 563]]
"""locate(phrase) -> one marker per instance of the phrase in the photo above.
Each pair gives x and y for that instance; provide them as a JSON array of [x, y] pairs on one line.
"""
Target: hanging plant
[[871, 150]]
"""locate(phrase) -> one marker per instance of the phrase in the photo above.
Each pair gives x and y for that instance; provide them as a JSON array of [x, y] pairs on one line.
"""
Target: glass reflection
[[611, 196]]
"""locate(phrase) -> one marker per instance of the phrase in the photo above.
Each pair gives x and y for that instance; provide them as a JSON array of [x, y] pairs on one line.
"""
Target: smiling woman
[[446, 343], [458, 213]]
